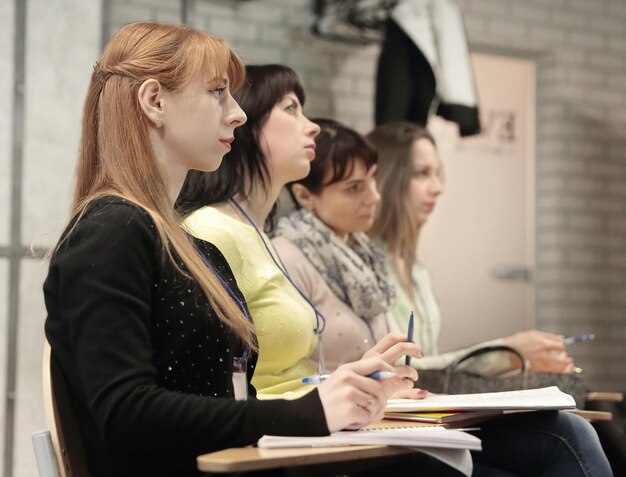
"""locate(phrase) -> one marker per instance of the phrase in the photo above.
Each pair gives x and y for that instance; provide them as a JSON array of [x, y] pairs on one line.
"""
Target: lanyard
[[240, 380], [320, 321]]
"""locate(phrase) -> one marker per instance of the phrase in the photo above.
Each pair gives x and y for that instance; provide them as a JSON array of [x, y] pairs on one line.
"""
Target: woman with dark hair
[[249, 176], [323, 245], [230, 208]]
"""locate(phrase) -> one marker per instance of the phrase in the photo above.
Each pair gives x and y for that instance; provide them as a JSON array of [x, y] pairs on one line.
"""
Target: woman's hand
[[350, 399], [391, 348], [414, 393], [544, 350]]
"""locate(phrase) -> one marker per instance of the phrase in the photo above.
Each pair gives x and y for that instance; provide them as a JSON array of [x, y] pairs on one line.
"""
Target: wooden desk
[[592, 415], [605, 396], [252, 458], [244, 459], [352, 458]]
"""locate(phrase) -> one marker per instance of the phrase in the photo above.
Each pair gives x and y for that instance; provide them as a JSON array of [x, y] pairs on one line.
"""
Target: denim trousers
[[547, 443]]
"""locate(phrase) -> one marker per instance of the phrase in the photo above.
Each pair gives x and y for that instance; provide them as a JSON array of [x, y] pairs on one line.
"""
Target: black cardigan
[[148, 363]]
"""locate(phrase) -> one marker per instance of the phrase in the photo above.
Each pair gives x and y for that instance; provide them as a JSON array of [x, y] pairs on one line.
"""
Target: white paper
[[528, 399], [459, 459], [432, 437], [449, 446]]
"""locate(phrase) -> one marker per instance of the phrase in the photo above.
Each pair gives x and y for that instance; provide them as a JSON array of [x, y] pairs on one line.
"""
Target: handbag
[[454, 380]]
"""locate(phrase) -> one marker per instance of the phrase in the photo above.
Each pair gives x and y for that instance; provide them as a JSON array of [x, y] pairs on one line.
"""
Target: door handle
[[511, 272]]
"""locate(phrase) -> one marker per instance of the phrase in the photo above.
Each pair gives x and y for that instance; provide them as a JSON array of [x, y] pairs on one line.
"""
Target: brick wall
[[338, 77], [581, 165], [580, 50]]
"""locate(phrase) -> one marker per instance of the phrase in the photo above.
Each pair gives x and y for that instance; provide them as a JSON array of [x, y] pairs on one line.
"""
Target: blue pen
[[319, 378], [409, 338], [578, 339]]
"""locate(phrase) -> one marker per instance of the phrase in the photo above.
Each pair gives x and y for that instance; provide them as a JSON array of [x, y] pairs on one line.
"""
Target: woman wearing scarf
[[325, 250], [324, 247]]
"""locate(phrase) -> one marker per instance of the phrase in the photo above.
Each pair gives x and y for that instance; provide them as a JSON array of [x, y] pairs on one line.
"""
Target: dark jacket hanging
[[428, 71]]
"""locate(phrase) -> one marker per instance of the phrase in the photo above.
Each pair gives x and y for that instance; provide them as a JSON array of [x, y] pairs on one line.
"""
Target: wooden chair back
[[66, 437]]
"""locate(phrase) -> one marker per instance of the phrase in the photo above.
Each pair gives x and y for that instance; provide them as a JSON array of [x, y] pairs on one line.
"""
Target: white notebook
[[528, 399], [403, 436], [449, 446]]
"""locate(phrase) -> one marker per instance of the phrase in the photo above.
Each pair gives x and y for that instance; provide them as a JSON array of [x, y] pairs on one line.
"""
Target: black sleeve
[[104, 275]]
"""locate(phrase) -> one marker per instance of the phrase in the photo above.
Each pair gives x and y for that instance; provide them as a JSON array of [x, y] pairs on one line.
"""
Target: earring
[[158, 123]]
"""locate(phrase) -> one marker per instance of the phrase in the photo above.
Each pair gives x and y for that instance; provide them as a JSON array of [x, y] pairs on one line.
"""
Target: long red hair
[[116, 156]]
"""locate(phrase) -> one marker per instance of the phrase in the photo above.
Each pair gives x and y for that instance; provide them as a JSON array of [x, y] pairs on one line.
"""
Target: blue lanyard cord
[[244, 356], [318, 316]]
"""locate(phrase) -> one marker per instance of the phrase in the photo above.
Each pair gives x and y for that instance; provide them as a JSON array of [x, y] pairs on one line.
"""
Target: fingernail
[[421, 392]]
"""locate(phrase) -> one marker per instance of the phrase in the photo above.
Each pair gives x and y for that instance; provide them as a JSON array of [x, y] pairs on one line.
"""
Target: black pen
[[409, 338]]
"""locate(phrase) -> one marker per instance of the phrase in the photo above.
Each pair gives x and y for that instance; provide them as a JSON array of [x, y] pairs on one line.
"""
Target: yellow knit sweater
[[284, 321]]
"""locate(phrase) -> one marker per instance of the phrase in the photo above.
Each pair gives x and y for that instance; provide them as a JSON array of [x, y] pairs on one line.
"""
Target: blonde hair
[[116, 157], [394, 223]]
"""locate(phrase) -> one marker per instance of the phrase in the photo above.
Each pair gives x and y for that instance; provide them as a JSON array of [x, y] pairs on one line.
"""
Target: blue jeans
[[548, 443]]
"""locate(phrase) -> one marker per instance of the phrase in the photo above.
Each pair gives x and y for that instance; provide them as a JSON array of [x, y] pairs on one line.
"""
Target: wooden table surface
[[252, 458], [243, 459]]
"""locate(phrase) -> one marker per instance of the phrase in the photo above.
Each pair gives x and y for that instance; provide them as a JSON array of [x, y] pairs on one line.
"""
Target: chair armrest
[[605, 396]]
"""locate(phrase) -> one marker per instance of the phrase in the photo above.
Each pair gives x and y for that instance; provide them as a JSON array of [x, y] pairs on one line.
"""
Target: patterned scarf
[[356, 271]]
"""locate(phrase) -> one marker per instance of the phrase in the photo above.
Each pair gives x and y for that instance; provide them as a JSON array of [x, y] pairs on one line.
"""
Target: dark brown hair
[[337, 148], [245, 166]]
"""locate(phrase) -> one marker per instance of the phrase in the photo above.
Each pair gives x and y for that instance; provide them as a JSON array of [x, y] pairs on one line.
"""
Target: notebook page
[[435, 437], [459, 459], [528, 399]]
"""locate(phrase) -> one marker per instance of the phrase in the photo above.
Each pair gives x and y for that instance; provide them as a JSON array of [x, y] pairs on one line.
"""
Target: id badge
[[240, 379]]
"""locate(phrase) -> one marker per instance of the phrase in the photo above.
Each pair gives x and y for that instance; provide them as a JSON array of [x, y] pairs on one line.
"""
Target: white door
[[479, 242]]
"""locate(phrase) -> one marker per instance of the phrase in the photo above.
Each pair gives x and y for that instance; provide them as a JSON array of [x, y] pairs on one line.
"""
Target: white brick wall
[[580, 48]]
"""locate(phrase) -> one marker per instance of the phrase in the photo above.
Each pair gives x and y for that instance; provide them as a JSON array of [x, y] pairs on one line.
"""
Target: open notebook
[[401, 436], [528, 399], [449, 446]]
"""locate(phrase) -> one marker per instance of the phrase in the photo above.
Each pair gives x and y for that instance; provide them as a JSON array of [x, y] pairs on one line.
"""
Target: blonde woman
[[410, 180], [149, 328]]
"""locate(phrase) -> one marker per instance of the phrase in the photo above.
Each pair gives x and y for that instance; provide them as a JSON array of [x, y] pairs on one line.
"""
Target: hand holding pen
[[394, 348], [545, 351], [351, 398]]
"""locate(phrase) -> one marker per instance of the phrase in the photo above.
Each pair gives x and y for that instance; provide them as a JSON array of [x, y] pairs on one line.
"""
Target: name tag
[[240, 381]]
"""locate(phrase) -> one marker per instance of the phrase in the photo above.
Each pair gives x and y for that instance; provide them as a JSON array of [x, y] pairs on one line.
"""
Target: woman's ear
[[150, 96], [303, 196]]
